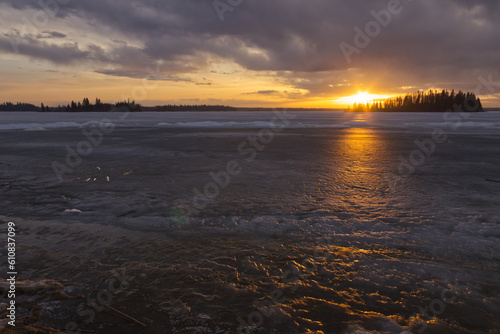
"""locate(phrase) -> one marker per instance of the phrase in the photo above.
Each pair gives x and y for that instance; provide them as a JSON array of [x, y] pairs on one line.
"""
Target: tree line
[[86, 106], [430, 101], [19, 106]]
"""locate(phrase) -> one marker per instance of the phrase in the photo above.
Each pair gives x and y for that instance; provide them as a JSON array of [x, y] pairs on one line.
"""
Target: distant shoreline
[[119, 110], [224, 111]]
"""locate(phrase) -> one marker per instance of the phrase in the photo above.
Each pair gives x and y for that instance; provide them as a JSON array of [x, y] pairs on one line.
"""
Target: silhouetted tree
[[86, 104], [431, 101]]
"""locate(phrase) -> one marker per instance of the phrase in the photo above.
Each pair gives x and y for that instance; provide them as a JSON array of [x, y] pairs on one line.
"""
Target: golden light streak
[[360, 97]]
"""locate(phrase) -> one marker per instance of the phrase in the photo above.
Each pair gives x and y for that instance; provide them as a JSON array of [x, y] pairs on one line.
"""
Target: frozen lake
[[480, 122], [257, 222]]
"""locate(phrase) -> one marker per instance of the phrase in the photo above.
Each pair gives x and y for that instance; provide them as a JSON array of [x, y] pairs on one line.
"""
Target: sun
[[360, 98]]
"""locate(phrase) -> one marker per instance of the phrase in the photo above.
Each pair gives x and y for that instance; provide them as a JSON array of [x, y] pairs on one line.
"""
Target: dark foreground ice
[[366, 225]]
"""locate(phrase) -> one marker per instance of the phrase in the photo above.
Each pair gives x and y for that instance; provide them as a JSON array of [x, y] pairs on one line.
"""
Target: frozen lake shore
[[220, 224]]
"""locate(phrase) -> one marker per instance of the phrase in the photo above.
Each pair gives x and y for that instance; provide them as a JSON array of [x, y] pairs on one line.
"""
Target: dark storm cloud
[[51, 34], [449, 38], [66, 53]]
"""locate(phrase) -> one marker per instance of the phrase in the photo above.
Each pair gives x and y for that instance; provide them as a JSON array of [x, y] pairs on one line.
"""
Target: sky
[[262, 53]]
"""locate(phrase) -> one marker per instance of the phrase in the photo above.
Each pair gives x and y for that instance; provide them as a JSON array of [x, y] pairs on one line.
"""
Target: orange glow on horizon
[[360, 98]]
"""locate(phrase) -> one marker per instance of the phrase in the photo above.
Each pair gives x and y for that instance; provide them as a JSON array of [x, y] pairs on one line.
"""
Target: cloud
[[65, 53], [279, 94], [295, 42], [265, 92], [51, 34]]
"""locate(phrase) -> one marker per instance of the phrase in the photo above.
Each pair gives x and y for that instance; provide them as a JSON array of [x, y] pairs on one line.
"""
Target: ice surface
[[32, 121], [312, 219]]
